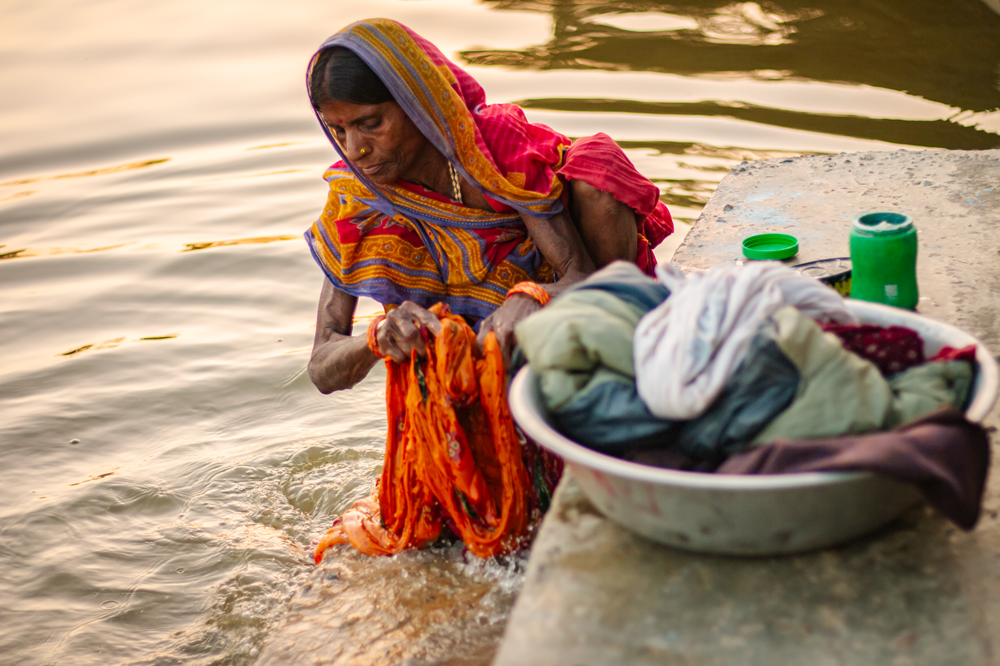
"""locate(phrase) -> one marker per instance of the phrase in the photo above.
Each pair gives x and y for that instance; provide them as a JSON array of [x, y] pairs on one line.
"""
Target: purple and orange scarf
[[402, 242]]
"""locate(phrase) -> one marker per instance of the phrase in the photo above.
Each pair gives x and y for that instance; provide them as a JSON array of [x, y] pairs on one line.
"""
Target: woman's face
[[379, 139]]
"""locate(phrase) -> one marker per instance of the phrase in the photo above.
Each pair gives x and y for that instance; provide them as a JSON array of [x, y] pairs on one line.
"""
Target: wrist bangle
[[372, 332], [530, 289]]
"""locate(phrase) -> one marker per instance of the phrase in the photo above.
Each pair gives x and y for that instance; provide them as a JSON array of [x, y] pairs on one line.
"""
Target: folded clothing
[[945, 455]]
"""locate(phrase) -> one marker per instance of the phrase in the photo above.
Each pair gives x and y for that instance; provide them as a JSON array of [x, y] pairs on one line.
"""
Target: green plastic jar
[[884, 259]]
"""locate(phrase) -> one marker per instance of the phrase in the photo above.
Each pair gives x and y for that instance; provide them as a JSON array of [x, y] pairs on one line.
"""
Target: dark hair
[[339, 75]]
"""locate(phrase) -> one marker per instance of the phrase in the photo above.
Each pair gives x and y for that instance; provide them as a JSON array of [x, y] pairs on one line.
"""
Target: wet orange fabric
[[451, 454]]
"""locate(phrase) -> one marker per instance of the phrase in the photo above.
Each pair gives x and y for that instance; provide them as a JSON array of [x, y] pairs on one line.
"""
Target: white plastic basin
[[752, 514]]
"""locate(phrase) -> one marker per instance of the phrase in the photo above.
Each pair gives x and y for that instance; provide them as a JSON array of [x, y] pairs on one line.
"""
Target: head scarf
[[403, 242]]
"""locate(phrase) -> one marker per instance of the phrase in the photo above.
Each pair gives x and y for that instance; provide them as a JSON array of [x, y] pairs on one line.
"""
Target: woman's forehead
[[348, 113]]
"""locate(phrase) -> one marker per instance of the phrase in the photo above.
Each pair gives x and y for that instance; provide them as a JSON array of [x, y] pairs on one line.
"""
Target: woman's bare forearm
[[560, 243], [340, 362]]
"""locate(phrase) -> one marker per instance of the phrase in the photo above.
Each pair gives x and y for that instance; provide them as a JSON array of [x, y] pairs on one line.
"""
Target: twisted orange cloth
[[451, 454]]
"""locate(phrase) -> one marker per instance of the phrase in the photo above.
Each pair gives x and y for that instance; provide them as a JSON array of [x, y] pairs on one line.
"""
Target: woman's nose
[[354, 147]]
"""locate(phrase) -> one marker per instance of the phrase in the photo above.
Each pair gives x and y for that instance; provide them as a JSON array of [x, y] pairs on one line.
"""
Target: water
[[165, 464]]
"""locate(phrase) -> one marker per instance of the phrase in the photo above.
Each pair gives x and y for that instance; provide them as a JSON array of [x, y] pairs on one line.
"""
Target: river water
[[165, 463]]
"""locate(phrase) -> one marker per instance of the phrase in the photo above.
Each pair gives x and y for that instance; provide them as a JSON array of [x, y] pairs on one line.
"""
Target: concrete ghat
[[918, 592]]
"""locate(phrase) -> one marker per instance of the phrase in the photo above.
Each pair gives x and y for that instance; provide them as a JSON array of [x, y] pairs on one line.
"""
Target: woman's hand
[[400, 334], [504, 319]]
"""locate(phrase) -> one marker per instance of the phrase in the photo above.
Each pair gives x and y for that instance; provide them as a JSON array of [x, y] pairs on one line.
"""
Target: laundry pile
[[754, 369], [453, 457]]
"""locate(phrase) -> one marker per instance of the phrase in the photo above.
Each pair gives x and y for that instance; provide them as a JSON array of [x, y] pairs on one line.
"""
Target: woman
[[443, 198]]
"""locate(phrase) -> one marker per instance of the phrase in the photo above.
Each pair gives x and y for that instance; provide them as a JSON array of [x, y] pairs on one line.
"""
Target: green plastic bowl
[[770, 246]]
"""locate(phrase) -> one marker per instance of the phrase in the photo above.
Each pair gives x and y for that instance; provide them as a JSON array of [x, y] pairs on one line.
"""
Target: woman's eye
[[373, 124]]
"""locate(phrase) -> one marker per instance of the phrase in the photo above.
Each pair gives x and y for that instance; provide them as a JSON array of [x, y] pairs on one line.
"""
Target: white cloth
[[686, 348]]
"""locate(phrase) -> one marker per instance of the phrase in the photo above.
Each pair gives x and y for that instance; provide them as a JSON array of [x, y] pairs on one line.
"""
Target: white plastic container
[[752, 514]]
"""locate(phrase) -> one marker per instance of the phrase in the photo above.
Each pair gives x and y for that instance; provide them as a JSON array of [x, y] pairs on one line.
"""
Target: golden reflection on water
[[52, 251], [95, 477], [18, 195], [252, 175], [86, 174], [275, 145], [114, 342], [227, 464], [260, 240]]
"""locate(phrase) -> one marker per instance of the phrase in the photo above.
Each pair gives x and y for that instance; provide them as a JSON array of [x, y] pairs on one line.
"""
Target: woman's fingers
[[423, 316], [397, 337], [503, 321], [401, 334]]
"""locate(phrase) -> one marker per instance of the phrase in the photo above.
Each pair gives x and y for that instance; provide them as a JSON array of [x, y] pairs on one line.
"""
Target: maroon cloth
[[945, 455], [952, 354], [891, 348]]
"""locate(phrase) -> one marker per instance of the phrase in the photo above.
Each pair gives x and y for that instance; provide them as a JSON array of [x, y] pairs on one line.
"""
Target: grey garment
[[589, 326], [624, 280]]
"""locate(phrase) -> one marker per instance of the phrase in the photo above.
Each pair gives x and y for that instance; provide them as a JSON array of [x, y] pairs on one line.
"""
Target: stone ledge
[[919, 591]]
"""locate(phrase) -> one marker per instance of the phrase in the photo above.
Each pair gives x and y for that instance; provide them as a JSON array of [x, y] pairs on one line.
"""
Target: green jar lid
[[882, 222], [770, 246]]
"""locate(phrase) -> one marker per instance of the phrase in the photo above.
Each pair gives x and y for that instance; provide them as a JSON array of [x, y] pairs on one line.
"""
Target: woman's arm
[[560, 243], [339, 361], [601, 230]]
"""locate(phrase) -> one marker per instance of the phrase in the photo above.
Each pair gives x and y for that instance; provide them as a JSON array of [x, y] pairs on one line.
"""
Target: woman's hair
[[339, 75]]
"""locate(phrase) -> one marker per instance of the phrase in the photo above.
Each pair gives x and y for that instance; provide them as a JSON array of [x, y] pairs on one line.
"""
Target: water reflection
[[18, 195], [926, 133], [831, 75], [948, 53], [159, 501], [257, 240], [91, 172]]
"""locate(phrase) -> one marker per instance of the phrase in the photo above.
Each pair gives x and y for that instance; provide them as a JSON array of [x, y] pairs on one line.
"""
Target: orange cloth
[[451, 454]]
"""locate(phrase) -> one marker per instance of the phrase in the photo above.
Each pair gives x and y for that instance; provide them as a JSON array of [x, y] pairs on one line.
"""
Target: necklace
[[456, 183]]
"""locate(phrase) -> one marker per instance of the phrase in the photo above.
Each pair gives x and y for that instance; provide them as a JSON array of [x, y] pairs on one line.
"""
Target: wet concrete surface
[[919, 591]]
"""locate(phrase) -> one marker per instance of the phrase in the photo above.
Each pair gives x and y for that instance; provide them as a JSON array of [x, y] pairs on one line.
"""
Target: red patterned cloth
[[891, 348], [952, 354]]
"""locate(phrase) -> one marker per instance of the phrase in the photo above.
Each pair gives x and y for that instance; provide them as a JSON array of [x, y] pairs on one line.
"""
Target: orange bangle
[[530, 289], [372, 331]]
